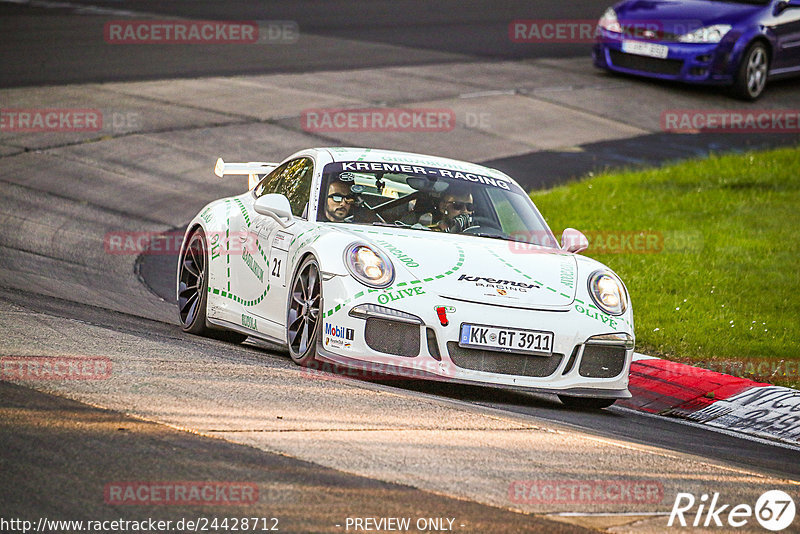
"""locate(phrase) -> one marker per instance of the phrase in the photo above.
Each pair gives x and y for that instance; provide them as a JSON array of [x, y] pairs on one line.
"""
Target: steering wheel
[[484, 225]]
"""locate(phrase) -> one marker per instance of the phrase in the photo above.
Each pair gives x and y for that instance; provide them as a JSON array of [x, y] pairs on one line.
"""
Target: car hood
[[475, 269], [679, 17]]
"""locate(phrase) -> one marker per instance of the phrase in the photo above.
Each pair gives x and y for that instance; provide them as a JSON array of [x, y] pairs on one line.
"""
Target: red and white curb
[[715, 399]]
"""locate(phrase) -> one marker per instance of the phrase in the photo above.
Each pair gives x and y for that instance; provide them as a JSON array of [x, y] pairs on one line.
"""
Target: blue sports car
[[735, 43]]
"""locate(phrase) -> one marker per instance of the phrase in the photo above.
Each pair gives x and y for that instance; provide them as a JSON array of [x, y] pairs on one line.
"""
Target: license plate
[[645, 49], [506, 339]]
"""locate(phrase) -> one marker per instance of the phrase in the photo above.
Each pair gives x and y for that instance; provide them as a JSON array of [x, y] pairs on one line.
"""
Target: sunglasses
[[339, 198], [462, 206]]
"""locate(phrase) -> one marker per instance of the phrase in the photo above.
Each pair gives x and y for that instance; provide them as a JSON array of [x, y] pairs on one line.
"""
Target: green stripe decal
[[507, 264]]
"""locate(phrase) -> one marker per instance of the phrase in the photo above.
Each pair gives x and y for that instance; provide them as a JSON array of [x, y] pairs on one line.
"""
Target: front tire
[[193, 285], [586, 403], [304, 318], [751, 77]]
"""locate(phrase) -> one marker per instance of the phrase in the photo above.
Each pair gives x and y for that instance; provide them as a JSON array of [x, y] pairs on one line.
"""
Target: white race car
[[406, 264]]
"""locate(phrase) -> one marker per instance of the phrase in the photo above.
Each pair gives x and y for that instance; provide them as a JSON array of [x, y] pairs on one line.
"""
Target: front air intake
[[392, 337], [503, 363], [602, 361]]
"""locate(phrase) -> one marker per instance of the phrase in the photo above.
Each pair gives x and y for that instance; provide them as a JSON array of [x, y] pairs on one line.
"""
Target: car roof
[[339, 154]]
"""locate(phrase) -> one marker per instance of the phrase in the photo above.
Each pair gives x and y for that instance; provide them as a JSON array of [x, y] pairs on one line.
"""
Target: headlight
[[368, 266], [608, 293], [609, 21], [709, 34]]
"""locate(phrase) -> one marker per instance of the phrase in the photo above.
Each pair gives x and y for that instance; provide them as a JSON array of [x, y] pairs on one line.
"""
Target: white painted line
[[83, 9], [496, 92], [608, 514]]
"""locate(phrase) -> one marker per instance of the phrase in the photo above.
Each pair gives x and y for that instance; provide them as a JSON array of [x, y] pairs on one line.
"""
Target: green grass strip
[[722, 280]]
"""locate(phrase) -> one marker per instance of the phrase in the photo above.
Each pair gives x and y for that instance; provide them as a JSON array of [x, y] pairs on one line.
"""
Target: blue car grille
[[646, 64]]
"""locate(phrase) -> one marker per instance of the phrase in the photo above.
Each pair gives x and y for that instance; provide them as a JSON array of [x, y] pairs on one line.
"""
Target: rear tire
[[586, 403], [193, 291], [751, 76], [304, 316]]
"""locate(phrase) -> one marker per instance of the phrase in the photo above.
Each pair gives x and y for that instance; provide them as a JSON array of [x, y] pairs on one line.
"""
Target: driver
[[456, 209], [339, 201]]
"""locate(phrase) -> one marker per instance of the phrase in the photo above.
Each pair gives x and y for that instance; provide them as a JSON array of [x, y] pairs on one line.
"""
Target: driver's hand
[[460, 223]]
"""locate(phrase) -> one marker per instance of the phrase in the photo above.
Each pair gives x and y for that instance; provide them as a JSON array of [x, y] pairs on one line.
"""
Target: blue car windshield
[[430, 199]]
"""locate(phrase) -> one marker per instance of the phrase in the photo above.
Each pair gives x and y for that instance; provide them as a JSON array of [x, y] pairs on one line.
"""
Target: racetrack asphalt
[[65, 453], [548, 119]]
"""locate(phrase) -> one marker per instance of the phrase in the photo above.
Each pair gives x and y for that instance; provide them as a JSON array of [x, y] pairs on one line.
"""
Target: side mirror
[[275, 206], [782, 6], [574, 241]]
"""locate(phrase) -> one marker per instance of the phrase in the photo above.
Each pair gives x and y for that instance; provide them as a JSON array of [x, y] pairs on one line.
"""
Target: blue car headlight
[[369, 266], [609, 21], [708, 34], [608, 292]]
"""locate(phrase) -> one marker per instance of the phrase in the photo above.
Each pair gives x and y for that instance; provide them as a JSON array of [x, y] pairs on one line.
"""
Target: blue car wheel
[[751, 77]]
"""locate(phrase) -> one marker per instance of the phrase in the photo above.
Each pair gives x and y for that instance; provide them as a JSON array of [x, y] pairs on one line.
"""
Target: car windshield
[[430, 199]]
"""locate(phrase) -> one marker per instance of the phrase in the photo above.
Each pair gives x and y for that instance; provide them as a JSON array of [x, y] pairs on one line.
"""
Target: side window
[[506, 212], [293, 180], [262, 187]]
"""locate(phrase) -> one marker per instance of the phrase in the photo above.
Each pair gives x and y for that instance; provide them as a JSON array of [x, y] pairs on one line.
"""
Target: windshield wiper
[[391, 224], [401, 224], [491, 236]]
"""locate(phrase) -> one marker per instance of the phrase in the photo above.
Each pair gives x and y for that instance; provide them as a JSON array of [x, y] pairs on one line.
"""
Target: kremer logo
[[488, 280]]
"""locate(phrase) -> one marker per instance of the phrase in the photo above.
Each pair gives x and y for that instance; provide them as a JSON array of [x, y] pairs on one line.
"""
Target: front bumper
[[710, 64], [425, 349]]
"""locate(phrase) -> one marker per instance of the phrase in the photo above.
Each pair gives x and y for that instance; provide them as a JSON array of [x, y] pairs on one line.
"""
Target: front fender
[[211, 219]]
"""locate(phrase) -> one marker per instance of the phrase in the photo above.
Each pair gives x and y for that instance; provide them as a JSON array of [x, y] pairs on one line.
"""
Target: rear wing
[[252, 169]]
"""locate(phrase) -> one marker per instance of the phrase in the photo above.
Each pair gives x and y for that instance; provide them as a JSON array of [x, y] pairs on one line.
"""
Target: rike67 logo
[[774, 510]]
